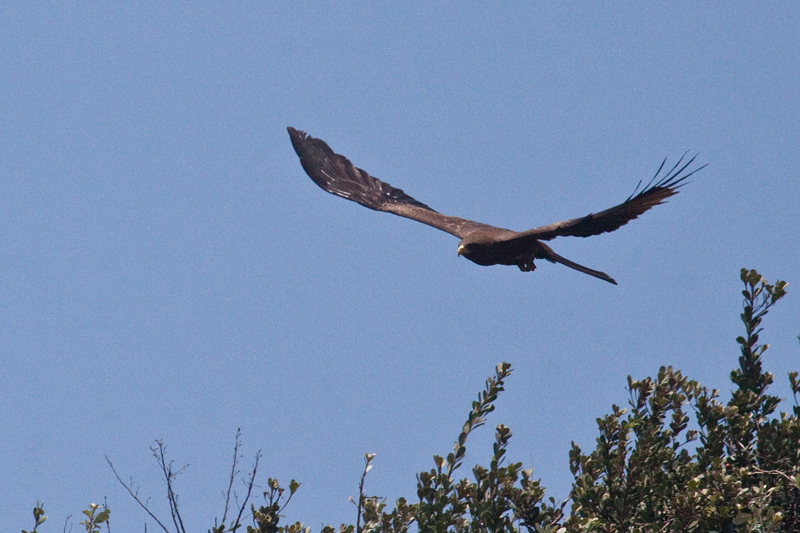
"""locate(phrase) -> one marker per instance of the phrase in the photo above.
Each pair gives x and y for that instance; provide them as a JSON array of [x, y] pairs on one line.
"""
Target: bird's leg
[[527, 265]]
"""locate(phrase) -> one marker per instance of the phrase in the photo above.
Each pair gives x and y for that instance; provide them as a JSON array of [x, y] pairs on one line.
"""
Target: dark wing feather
[[611, 219], [335, 174]]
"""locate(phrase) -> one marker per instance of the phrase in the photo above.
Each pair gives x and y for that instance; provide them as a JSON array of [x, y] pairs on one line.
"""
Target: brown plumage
[[480, 243]]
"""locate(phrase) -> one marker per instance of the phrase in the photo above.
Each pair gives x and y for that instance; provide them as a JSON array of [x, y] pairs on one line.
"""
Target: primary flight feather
[[481, 243]]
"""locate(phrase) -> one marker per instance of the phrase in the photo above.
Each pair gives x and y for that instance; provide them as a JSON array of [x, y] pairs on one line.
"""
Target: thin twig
[[250, 484], [233, 473], [135, 497], [774, 473], [367, 460], [168, 475], [67, 521], [108, 521]]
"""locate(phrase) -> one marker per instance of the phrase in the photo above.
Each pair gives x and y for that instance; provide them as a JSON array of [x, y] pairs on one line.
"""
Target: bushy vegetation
[[738, 471]]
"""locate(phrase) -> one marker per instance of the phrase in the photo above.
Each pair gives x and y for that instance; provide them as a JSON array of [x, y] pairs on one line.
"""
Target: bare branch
[[66, 521], [233, 473], [166, 469], [250, 484], [367, 467], [135, 496], [773, 473]]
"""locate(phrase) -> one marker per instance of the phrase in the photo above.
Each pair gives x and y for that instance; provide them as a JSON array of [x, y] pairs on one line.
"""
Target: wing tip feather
[[673, 179]]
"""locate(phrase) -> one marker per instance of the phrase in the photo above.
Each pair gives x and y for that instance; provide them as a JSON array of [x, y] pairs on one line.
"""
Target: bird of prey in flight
[[480, 243]]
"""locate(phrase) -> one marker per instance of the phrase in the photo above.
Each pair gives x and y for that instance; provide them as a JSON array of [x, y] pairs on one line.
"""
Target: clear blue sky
[[167, 270]]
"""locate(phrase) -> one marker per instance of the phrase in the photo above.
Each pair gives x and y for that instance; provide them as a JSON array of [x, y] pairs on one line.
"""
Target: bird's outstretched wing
[[653, 194], [335, 174]]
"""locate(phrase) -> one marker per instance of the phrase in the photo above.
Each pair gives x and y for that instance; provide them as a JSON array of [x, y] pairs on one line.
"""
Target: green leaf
[[103, 516]]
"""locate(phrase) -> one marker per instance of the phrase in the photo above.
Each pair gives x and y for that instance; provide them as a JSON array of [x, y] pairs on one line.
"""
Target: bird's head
[[478, 249], [466, 249]]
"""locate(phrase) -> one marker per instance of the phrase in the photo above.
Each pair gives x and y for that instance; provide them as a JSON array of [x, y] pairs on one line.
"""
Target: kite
[[481, 243]]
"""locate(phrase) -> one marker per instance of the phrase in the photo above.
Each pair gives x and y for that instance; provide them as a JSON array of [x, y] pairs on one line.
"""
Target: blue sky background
[[168, 271]]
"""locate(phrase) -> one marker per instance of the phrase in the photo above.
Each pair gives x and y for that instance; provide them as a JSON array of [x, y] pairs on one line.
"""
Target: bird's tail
[[553, 257]]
